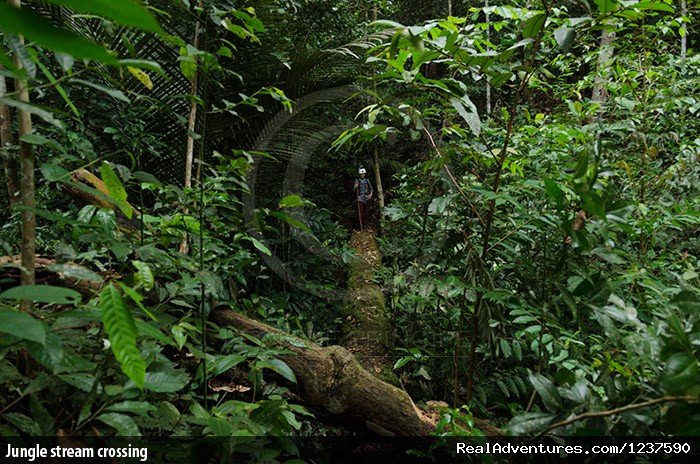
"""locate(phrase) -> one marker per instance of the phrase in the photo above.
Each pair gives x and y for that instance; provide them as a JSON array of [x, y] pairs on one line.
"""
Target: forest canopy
[[287, 219]]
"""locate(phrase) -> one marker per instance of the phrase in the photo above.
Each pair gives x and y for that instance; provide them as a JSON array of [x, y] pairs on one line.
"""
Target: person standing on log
[[363, 191]]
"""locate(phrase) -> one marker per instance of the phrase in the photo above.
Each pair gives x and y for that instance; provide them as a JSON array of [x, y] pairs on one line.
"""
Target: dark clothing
[[363, 189], [364, 213]]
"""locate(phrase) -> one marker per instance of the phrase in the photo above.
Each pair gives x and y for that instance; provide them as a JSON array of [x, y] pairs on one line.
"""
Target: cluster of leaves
[[552, 243]]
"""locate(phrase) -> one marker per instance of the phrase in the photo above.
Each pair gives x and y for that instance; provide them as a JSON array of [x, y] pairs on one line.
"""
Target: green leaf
[[121, 329], [470, 117], [115, 188], [278, 366], [554, 192], [33, 109], [658, 6], [144, 275], [259, 245], [75, 271], [533, 25], [291, 201], [114, 93], [41, 31], [21, 325], [681, 373], [219, 427], [687, 301], [141, 408], [547, 391], [123, 424], [82, 381], [49, 353], [24, 424], [527, 424], [162, 382], [126, 12], [227, 362], [42, 294], [290, 220], [606, 6]]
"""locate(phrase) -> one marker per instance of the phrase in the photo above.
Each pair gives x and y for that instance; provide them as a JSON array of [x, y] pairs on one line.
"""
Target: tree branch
[[612, 412]]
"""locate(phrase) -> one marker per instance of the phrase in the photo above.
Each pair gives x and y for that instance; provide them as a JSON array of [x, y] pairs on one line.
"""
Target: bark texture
[[332, 379], [26, 161], [9, 164]]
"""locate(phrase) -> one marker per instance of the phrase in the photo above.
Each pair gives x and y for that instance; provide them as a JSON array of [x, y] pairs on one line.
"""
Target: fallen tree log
[[331, 378]]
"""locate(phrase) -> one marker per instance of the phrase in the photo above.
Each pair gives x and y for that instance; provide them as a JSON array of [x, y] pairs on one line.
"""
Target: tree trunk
[[331, 379], [605, 54], [380, 189], [10, 165], [26, 158], [684, 33], [488, 79], [189, 152]]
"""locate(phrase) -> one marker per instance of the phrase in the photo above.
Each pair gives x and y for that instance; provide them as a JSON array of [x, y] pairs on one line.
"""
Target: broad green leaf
[[54, 173], [278, 366], [687, 301], [529, 423], [42, 294], [123, 424], [33, 109], [225, 363], [606, 6], [144, 275], [220, 427], [121, 329], [291, 201], [533, 25], [681, 373], [20, 50], [75, 271], [162, 382], [80, 380], [259, 245], [554, 192], [126, 12], [142, 76], [50, 353], [658, 6], [141, 408], [41, 31], [470, 117], [23, 423], [290, 220], [114, 93], [547, 391], [115, 188], [21, 325]]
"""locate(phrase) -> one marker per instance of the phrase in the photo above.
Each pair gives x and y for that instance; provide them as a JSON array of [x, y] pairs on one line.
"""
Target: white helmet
[[362, 171]]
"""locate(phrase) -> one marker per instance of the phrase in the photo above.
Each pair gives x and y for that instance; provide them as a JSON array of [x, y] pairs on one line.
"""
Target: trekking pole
[[359, 213]]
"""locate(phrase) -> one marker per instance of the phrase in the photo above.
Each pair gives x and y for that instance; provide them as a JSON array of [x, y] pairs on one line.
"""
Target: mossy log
[[367, 332], [332, 379]]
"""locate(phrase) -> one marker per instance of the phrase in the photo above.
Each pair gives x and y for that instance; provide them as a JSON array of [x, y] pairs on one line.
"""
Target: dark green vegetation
[[540, 165]]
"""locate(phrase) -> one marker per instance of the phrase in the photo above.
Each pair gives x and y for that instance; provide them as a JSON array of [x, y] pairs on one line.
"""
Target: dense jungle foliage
[[538, 221]]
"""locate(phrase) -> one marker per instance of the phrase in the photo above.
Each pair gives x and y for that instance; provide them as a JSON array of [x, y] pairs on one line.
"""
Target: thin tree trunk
[[377, 173], [684, 34], [449, 7], [10, 165], [488, 37], [605, 54], [189, 153], [26, 158], [380, 189]]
